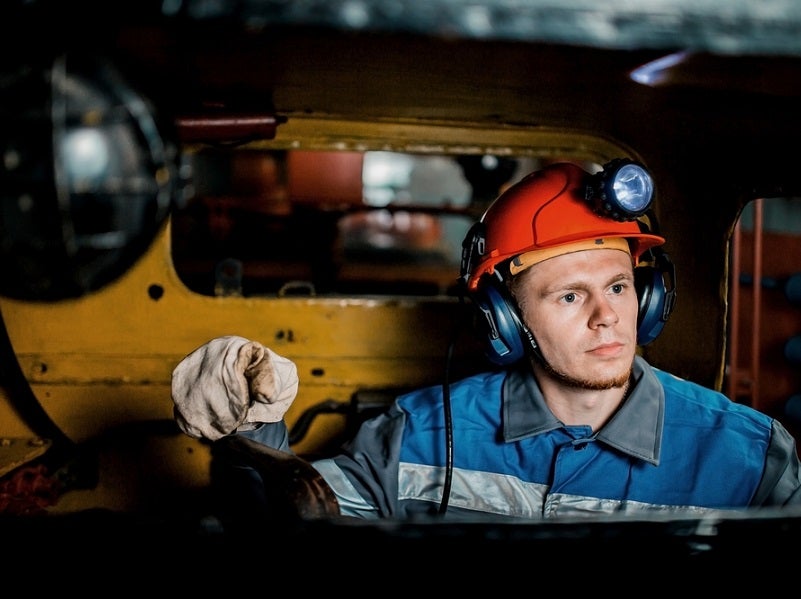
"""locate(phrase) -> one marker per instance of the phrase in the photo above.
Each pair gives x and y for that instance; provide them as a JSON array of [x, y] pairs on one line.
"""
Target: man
[[575, 423]]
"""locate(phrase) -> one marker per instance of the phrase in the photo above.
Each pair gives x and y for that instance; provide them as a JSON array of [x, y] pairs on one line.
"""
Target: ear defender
[[656, 290], [506, 338], [500, 327]]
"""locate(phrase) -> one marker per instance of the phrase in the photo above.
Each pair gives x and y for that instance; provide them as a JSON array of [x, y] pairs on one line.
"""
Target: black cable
[[446, 404]]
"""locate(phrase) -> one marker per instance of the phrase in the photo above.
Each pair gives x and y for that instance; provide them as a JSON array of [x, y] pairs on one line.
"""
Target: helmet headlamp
[[623, 190]]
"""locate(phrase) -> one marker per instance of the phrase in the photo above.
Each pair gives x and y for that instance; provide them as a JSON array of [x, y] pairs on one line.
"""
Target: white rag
[[229, 382]]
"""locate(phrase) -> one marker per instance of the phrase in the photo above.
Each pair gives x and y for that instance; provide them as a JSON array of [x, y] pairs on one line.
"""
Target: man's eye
[[617, 289], [570, 298]]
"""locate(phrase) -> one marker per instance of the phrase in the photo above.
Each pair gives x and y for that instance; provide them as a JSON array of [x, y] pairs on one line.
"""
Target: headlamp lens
[[633, 189], [622, 190]]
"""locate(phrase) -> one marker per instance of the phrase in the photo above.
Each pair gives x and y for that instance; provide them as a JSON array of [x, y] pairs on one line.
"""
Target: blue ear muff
[[505, 333], [656, 290]]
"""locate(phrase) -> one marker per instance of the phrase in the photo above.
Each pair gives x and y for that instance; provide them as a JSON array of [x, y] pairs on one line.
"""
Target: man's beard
[[590, 385]]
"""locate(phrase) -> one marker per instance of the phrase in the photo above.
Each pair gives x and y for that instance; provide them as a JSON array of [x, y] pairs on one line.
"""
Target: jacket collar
[[635, 429]]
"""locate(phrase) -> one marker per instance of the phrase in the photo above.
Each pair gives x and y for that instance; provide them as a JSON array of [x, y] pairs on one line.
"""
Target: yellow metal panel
[[107, 358]]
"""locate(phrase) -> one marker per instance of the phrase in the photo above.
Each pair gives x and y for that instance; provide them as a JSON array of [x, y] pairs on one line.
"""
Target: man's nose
[[603, 312]]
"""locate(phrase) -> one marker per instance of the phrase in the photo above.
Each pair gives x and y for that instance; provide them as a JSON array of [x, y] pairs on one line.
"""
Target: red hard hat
[[545, 210]]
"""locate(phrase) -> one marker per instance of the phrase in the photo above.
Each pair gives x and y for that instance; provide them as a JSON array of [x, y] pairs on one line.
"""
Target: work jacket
[[673, 447]]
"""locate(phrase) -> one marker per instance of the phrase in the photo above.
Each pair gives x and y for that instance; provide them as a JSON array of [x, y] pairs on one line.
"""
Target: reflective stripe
[[350, 502], [506, 495], [572, 505], [481, 491]]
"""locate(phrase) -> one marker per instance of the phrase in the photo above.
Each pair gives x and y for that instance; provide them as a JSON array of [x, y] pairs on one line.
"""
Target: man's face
[[582, 309]]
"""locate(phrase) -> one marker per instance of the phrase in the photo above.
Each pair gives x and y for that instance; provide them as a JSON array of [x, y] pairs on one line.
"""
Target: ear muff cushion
[[504, 337], [651, 293]]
